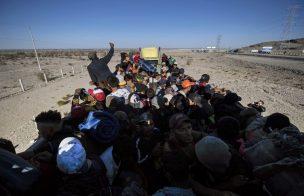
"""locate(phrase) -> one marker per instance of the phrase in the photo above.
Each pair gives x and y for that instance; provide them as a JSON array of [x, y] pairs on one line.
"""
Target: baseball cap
[[187, 83], [97, 93]]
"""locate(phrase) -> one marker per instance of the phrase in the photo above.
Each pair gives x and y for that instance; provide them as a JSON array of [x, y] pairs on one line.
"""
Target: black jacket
[[98, 68]]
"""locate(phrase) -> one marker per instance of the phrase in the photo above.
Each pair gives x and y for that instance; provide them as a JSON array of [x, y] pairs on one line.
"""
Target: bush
[[189, 61], [67, 97], [48, 75], [61, 102]]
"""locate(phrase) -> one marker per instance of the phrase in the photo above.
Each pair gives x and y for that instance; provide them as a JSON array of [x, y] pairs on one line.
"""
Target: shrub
[[67, 97], [48, 75], [189, 61], [63, 102]]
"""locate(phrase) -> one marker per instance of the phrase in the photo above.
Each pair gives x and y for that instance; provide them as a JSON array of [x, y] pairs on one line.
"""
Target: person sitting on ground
[[98, 68]]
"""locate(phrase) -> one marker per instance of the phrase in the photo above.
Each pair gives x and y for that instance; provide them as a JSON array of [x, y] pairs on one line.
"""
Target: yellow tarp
[[149, 53]]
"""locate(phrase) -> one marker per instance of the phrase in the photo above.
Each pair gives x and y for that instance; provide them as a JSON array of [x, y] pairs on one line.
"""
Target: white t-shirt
[[121, 92]]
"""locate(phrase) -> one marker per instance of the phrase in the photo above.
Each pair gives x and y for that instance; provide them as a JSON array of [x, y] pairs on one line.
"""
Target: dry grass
[[48, 75], [67, 97], [189, 61], [63, 102]]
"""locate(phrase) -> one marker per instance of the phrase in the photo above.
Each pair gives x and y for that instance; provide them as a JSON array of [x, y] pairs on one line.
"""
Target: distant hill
[[293, 44]]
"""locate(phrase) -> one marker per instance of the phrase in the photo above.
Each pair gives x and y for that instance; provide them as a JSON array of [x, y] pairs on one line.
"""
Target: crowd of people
[[137, 132]]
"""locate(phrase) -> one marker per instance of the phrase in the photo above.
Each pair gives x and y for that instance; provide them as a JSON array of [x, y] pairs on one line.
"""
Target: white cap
[[71, 155]]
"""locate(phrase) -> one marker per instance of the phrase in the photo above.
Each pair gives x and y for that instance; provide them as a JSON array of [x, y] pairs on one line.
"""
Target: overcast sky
[[141, 23]]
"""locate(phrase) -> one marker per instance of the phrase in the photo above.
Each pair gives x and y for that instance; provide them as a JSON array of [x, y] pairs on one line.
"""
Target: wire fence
[[20, 74]]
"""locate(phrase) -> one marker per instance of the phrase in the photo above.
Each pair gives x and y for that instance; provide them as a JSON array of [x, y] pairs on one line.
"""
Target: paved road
[[283, 63]]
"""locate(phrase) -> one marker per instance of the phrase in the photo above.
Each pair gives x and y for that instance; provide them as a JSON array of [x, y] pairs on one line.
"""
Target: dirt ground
[[279, 83]]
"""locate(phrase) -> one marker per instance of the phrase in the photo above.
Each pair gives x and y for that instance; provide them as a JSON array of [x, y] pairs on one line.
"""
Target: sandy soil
[[280, 87]]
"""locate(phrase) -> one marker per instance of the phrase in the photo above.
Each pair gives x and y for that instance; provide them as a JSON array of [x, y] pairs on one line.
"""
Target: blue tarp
[[145, 65]]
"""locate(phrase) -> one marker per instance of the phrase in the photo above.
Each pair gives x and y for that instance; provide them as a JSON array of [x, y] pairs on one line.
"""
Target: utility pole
[[33, 41], [218, 42], [288, 24]]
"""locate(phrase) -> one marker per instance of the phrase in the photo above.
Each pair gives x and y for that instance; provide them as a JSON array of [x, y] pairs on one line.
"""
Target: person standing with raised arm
[[99, 69]]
